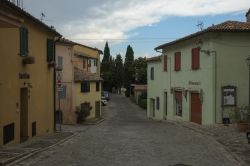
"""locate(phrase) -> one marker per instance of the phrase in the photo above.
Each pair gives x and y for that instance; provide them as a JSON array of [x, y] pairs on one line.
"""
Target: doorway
[[165, 105], [152, 108], [196, 109], [24, 114], [97, 109]]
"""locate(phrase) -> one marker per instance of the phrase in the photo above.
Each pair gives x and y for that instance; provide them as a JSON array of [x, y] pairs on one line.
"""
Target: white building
[[201, 77]]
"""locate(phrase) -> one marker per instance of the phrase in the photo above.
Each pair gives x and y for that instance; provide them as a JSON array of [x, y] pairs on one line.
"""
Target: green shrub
[[83, 112], [143, 103]]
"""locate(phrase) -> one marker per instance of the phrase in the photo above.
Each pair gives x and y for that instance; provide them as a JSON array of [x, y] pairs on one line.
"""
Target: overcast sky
[[142, 23]]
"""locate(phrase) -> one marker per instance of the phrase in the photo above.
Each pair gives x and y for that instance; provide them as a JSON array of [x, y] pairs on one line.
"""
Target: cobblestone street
[[128, 138]]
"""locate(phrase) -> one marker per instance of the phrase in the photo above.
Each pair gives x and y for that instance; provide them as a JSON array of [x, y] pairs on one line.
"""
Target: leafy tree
[[105, 68], [118, 74], [129, 71], [140, 70]]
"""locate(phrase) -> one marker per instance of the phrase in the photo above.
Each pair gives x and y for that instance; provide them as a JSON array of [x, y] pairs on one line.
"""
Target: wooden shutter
[[97, 86], [165, 63], [60, 62], [85, 87], [195, 58], [23, 41], [89, 63], [152, 73], [50, 50], [177, 65], [157, 103]]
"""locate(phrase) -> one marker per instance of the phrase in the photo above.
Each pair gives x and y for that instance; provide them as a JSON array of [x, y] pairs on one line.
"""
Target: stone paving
[[9, 154], [234, 141], [128, 138]]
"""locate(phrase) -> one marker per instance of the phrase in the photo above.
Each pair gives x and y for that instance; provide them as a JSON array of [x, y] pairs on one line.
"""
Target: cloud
[[96, 21]]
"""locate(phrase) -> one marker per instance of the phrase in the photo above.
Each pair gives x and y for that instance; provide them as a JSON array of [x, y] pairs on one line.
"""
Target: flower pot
[[28, 60], [242, 126]]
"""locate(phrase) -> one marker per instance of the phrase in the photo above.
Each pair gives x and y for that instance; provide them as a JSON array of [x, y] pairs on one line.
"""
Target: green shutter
[[50, 50], [23, 41]]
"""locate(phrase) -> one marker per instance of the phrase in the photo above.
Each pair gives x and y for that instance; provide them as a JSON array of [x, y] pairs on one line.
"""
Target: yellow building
[[27, 75], [79, 75]]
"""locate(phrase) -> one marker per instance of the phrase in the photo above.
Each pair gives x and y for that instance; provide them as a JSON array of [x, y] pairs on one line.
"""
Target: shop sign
[[229, 96], [194, 83]]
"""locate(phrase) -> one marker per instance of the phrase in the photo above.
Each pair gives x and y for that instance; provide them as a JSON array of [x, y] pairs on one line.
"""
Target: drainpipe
[[54, 83]]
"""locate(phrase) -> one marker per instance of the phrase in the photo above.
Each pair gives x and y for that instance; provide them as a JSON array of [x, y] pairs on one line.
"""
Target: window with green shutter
[[85, 87], [23, 42], [50, 50]]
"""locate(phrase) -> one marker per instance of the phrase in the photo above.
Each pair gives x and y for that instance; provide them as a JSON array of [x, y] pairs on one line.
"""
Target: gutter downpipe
[[215, 84], [215, 81], [170, 85]]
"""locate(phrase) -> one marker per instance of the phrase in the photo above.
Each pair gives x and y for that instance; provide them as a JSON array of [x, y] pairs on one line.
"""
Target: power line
[[123, 39]]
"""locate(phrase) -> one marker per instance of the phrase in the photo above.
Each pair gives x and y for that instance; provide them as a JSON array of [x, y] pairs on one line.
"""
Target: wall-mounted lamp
[[206, 52]]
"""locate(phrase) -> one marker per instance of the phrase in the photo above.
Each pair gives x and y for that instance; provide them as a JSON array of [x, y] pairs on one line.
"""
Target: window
[[23, 42], [85, 87], [50, 50], [83, 63], [178, 103], [62, 92], [195, 58], [177, 61], [95, 63], [157, 103], [60, 62], [165, 63], [97, 86], [89, 63], [152, 73]]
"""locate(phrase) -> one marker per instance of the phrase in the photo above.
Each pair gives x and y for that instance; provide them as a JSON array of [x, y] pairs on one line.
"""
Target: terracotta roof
[[81, 75], [69, 42], [65, 41], [140, 87], [228, 26], [156, 58], [26, 14], [83, 55]]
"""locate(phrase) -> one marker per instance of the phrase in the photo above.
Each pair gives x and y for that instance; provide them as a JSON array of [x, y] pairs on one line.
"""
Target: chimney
[[248, 16]]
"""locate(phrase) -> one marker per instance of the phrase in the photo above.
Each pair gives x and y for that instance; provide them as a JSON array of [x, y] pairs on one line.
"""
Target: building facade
[[27, 76], [79, 78], [203, 76]]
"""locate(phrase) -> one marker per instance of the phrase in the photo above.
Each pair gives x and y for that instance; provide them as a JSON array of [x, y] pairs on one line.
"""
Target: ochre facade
[[26, 90]]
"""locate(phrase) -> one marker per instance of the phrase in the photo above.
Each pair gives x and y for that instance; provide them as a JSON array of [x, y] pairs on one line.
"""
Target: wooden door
[[166, 105], [196, 109], [24, 114], [97, 109], [152, 107]]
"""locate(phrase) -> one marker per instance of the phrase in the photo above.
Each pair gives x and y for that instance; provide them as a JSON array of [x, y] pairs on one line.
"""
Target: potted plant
[[83, 112], [242, 117]]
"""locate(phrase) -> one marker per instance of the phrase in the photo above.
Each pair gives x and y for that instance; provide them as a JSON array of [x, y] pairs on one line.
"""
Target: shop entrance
[[196, 109]]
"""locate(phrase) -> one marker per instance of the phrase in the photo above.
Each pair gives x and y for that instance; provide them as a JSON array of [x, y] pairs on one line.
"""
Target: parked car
[[106, 95], [104, 101]]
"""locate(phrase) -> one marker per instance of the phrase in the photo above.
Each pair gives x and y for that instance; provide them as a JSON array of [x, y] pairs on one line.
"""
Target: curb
[[94, 123], [27, 155], [200, 131]]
